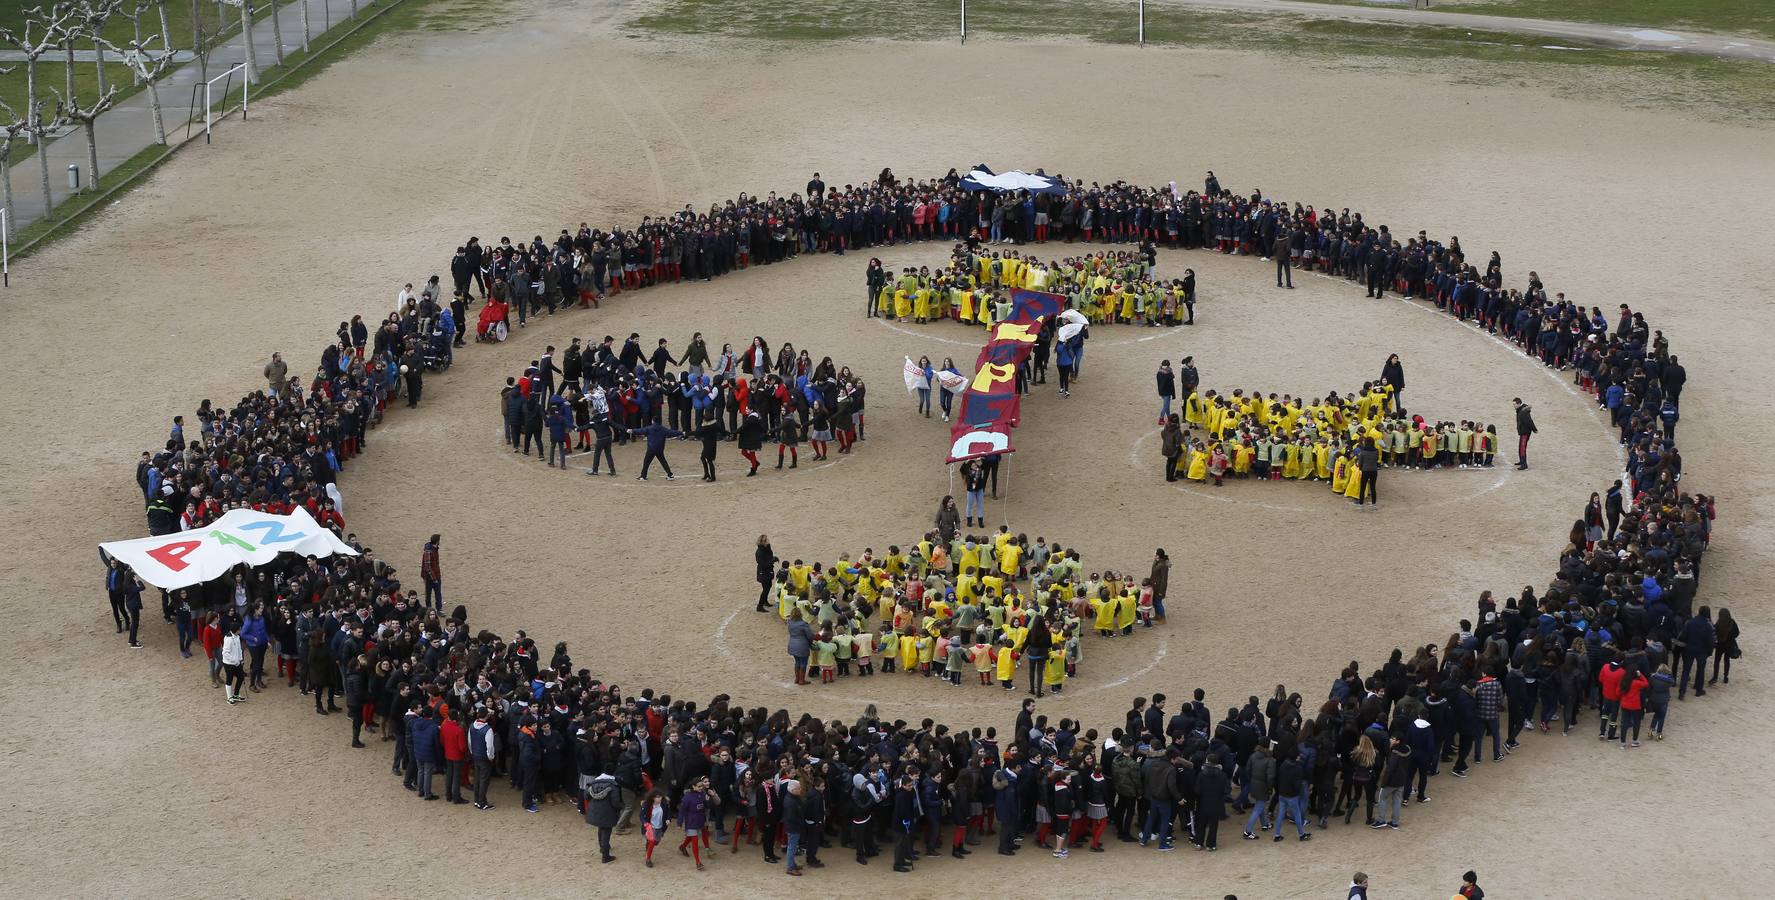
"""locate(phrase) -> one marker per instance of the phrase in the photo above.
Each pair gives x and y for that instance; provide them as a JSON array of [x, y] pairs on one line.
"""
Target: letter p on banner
[[173, 555], [991, 374]]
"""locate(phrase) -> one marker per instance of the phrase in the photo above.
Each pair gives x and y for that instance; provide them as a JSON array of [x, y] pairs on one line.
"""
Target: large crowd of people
[[608, 395], [1106, 287], [956, 605], [1342, 440], [1614, 631]]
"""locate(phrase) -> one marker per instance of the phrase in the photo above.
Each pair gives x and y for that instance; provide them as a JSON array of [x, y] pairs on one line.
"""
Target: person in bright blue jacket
[[1065, 356], [256, 637]]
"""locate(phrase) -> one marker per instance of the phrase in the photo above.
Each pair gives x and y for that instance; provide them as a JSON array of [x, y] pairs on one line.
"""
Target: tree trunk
[[134, 73], [354, 10], [277, 33], [304, 27], [246, 38], [6, 195], [166, 30], [35, 115], [92, 151], [99, 59], [159, 120], [43, 163], [31, 113], [197, 26]]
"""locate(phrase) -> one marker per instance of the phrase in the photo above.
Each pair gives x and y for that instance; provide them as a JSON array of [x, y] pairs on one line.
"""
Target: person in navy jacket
[[422, 734], [1697, 646], [655, 435]]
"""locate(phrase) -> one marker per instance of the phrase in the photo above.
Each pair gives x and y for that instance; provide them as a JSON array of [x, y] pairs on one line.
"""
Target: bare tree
[[246, 36], [80, 26], [41, 33], [304, 5], [11, 128], [143, 62], [277, 34]]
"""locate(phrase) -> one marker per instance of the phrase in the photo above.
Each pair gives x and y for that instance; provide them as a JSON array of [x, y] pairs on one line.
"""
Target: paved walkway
[[128, 128], [87, 56], [1624, 37]]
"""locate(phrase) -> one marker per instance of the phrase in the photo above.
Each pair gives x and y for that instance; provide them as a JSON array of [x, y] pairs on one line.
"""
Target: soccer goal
[[212, 93]]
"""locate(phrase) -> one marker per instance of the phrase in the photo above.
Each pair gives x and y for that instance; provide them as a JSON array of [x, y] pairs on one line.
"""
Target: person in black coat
[[766, 561], [751, 434], [1211, 788], [907, 816], [1393, 373], [1525, 428], [356, 695], [603, 807], [1167, 387]]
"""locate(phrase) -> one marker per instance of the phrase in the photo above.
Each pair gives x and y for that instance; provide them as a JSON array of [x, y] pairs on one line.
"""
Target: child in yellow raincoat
[[1198, 463], [1007, 664]]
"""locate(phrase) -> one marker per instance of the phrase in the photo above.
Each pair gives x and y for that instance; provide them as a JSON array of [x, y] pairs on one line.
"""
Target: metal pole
[[5, 251], [1142, 23], [964, 21], [206, 112]]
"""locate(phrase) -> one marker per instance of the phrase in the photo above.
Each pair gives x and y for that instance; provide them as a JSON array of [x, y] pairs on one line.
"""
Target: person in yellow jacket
[[982, 653], [1244, 455], [1340, 473], [1353, 486], [1104, 618], [1127, 605], [1006, 663], [1010, 559], [902, 304], [1198, 463], [1322, 460], [909, 653], [1054, 669], [890, 648]]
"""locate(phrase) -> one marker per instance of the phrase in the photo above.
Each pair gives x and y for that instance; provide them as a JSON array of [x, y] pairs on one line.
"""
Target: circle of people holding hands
[[1616, 628], [956, 606], [600, 395]]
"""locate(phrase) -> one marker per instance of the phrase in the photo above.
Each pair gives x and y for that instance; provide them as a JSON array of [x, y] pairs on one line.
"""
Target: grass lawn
[[1750, 17], [1719, 89]]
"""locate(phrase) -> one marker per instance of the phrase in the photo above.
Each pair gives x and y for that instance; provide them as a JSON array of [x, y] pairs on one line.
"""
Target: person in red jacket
[[210, 635], [1610, 679], [1633, 707], [455, 740]]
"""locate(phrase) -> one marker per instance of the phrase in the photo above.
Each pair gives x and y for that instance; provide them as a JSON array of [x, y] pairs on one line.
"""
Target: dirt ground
[[129, 779]]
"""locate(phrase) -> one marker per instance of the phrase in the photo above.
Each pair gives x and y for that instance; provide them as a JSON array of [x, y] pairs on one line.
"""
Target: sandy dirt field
[[129, 780]]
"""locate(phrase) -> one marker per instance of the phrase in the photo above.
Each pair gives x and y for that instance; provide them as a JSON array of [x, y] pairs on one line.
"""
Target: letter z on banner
[[990, 404]]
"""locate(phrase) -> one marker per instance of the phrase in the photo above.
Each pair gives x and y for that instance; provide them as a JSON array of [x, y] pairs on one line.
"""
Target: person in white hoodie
[[233, 652]]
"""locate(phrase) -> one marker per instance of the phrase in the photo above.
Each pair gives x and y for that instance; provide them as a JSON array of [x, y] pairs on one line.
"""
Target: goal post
[[227, 79]]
